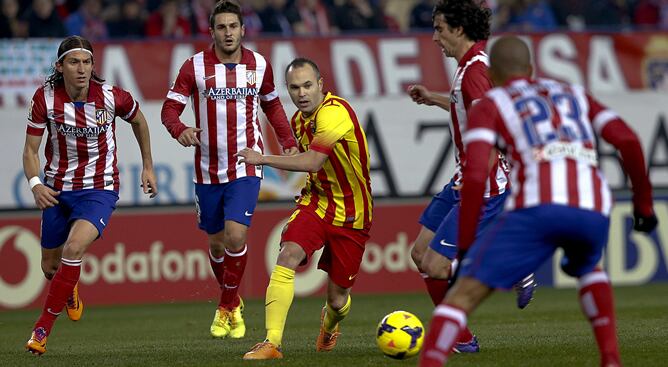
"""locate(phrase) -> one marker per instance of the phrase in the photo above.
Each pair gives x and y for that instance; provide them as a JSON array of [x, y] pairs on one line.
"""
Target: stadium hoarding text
[[151, 255], [363, 66]]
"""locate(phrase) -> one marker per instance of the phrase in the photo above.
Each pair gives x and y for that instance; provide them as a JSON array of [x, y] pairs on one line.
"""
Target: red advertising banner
[[363, 66], [160, 256]]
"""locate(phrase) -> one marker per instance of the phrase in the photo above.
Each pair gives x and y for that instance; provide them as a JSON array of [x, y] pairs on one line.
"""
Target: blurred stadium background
[[369, 51]]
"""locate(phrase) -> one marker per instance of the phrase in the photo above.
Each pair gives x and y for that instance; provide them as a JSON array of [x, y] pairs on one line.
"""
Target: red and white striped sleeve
[[272, 107], [37, 118], [177, 99]]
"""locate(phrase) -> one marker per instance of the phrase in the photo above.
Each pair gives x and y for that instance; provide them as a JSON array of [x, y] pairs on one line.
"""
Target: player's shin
[[280, 293], [597, 303], [235, 264], [444, 329], [333, 317], [60, 288]]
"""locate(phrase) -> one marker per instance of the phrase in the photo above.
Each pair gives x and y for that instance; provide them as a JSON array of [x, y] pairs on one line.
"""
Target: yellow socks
[[332, 316], [277, 303]]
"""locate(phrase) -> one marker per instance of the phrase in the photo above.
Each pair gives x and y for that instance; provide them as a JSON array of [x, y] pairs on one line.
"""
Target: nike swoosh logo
[[51, 312], [208, 77], [352, 277], [102, 221], [248, 214], [443, 243]]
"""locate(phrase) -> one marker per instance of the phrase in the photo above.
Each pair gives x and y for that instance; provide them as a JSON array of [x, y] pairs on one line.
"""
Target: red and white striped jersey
[[548, 129], [81, 146], [225, 100], [469, 85]]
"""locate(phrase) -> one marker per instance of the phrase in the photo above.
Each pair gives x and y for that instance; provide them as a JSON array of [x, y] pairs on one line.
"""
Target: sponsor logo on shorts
[[246, 213], [102, 221], [443, 243], [352, 277]]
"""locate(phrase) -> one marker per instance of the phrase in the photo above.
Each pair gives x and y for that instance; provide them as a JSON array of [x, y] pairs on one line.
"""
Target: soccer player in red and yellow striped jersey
[[333, 211]]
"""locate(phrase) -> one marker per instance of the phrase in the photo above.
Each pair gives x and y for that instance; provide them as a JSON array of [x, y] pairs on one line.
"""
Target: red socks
[[229, 270], [436, 288], [443, 333], [61, 287], [597, 304]]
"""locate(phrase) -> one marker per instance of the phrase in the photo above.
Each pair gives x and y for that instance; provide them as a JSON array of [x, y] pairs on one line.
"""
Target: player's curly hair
[[226, 6], [471, 15], [69, 43]]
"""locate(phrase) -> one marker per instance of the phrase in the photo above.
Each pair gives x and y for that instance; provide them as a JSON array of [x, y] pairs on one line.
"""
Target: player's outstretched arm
[[45, 197], [421, 95], [309, 161], [140, 129]]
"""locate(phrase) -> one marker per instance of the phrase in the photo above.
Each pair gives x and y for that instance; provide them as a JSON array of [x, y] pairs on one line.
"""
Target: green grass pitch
[[550, 332]]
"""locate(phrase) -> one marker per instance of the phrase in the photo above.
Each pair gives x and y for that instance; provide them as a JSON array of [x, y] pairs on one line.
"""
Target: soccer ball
[[400, 335]]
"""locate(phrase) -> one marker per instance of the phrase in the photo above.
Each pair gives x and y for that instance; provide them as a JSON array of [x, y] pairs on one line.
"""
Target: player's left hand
[[148, 182], [249, 156], [644, 223], [290, 151]]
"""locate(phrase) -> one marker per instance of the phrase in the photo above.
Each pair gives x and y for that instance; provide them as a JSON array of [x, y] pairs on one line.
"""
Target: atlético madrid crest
[[102, 116], [250, 78]]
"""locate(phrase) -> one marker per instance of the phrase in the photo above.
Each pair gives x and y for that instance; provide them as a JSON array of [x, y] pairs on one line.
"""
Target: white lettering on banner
[[395, 74], [30, 287], [145, 267], [556, 58], [604, 72], [116, 70], [394, 257], [348, 54], [615, 259]]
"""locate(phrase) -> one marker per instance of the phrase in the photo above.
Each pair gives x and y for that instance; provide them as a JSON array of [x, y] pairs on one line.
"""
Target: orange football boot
[[326, 341], [264, 350], [37, 342], [74, 305]]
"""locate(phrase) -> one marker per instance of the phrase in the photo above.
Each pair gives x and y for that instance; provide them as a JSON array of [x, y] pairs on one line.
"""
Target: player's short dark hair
[[67, 44], [471, 15], [300, 62], [225, 6]]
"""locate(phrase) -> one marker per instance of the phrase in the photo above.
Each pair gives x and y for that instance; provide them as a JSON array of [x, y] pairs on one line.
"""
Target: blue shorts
[[445, 238], [235, 200], [521, 240], [439, 207], [92, 205]]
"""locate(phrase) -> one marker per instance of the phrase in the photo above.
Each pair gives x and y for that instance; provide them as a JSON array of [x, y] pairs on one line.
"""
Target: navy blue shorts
[[521, 240], [445, 238], [92, 205], [439, 207], [235, 200]]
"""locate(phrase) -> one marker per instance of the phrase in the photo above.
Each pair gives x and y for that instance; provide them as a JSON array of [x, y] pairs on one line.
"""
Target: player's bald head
[[509, 58]]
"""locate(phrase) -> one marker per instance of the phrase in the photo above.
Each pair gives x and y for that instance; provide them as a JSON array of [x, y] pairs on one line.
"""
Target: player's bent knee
[[49, 269], [416, 256], [437, 268], [234, 240], [291, 255]]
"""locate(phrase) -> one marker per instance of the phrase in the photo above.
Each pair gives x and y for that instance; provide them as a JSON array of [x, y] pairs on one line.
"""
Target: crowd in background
[[105, 19]]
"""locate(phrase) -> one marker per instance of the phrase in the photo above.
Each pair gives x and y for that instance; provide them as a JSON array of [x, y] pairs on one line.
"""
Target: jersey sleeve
[[599, 115], [184, 84], [37, 118], [268, 89], [126, 106], [475, 83], [177, 99], [479, 139], [332, 124]]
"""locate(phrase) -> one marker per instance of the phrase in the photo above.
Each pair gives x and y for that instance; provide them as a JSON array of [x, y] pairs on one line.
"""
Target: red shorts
[[343, 247]]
